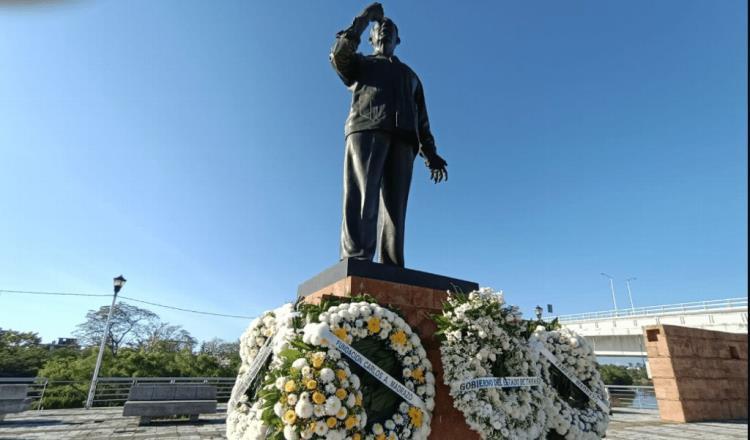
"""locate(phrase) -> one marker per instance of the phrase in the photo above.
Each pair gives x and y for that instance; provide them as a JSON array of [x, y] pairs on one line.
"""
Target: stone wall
[[698, 374]]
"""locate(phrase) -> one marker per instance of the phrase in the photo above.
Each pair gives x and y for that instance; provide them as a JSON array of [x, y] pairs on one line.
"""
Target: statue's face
[[384, 37]]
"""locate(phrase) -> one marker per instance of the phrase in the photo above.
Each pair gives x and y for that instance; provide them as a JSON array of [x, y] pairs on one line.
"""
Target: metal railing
[[36, 387], [113, 391], [730, 304], [110, 391], [631, 396]]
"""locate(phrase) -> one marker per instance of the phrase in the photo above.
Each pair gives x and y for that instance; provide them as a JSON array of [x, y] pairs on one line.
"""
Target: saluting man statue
[[387, 126]]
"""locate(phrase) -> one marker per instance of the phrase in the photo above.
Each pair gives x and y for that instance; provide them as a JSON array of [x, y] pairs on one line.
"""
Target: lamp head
[[119, 281]]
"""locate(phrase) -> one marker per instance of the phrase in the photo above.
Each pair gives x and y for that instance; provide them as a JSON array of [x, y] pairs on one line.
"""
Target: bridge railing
[[113, 391], [110, 391], [631, 396], [670, 309]]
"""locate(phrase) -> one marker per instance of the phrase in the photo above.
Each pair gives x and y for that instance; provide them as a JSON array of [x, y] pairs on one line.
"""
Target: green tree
[[616, 375], [21, 353]]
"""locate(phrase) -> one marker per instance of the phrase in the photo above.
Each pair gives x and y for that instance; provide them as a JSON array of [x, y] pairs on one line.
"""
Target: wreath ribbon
[[386, 379], [586, 390], [497, 382], [241, 387]]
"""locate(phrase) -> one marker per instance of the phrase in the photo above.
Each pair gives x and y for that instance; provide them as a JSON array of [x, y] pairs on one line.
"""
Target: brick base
[[417, 304]]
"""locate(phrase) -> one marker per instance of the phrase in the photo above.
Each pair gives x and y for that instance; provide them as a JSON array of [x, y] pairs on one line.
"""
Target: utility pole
[[630, 294], [612, 288], [118, 283]]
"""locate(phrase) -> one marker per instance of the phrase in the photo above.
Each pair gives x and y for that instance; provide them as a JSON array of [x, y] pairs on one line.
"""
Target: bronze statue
[[387, 126]]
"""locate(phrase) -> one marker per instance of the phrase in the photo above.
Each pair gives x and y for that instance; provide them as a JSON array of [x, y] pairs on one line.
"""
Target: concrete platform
[[108, 423]]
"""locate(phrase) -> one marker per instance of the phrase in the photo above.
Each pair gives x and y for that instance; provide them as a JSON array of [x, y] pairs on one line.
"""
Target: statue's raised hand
[[437, 166], [374, 12]]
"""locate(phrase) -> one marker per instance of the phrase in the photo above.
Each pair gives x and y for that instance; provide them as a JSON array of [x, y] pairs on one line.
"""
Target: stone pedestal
[[698, 374], [418, 295]]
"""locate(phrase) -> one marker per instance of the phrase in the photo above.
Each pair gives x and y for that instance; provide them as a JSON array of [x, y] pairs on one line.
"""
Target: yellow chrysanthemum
[[392, 437], [341, 412], [358, 399], [380, 436], [341, 393], [290, 417], [290, 386], [317, 360], [318, 398], [356, 436], [373, 325], [415, 414], [311, 384], [341, 374], [340, 333], [418, 374], [351, 422], [331, 422], [399, 338]]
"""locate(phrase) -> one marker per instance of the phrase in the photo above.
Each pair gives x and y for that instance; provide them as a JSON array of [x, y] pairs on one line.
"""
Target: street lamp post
[[630, 294], [612, 288], [538, 310], [118, 283]]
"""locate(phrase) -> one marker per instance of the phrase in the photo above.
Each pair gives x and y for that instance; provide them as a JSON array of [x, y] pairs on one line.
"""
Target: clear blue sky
[[196, 147]]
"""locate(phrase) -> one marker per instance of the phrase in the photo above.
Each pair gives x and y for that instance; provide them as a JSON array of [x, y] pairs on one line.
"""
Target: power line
[[181, 309], [186, 310], [29, 292]]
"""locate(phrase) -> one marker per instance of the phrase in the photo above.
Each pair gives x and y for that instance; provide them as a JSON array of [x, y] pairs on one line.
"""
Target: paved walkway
[[108, 423]]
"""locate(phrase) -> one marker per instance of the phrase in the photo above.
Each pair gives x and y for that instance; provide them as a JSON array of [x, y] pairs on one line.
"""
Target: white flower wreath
[[353, 322], [243, 415], [572, 415], [483, 337]]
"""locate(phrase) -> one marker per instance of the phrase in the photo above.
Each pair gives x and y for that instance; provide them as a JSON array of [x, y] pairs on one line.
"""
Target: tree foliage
[[139, 344], [130, 325], [21, 353], [616, 375]]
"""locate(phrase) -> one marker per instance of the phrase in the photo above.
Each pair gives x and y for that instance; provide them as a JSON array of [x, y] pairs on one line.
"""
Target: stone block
[[734, 368], [683, 346], [666, 389], [738, 409], [671, 410], [661, 368], [14, 405], [13, 391], [166, 408], [703, 378]]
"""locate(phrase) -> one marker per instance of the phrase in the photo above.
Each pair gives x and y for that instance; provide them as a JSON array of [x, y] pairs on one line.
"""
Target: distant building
[[64, 343]]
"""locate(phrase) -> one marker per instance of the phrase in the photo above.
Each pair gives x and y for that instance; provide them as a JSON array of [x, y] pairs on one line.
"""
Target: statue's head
[[384, 37]]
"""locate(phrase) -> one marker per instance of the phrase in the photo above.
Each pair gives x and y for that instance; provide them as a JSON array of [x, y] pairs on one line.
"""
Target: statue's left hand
[[437, 166]]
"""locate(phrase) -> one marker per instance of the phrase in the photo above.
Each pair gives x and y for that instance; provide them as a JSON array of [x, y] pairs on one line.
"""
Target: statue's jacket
[[386, 94]]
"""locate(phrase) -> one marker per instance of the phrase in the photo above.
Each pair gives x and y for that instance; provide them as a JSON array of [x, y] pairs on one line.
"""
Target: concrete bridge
[[620, 332]]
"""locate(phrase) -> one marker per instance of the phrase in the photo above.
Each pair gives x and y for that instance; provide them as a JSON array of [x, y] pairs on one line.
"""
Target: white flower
[[290, 433], [291, 399], [319, 411], [327, 375], [279, 383], [299, 363], [303, 409], [321, 428], [333, 404]]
